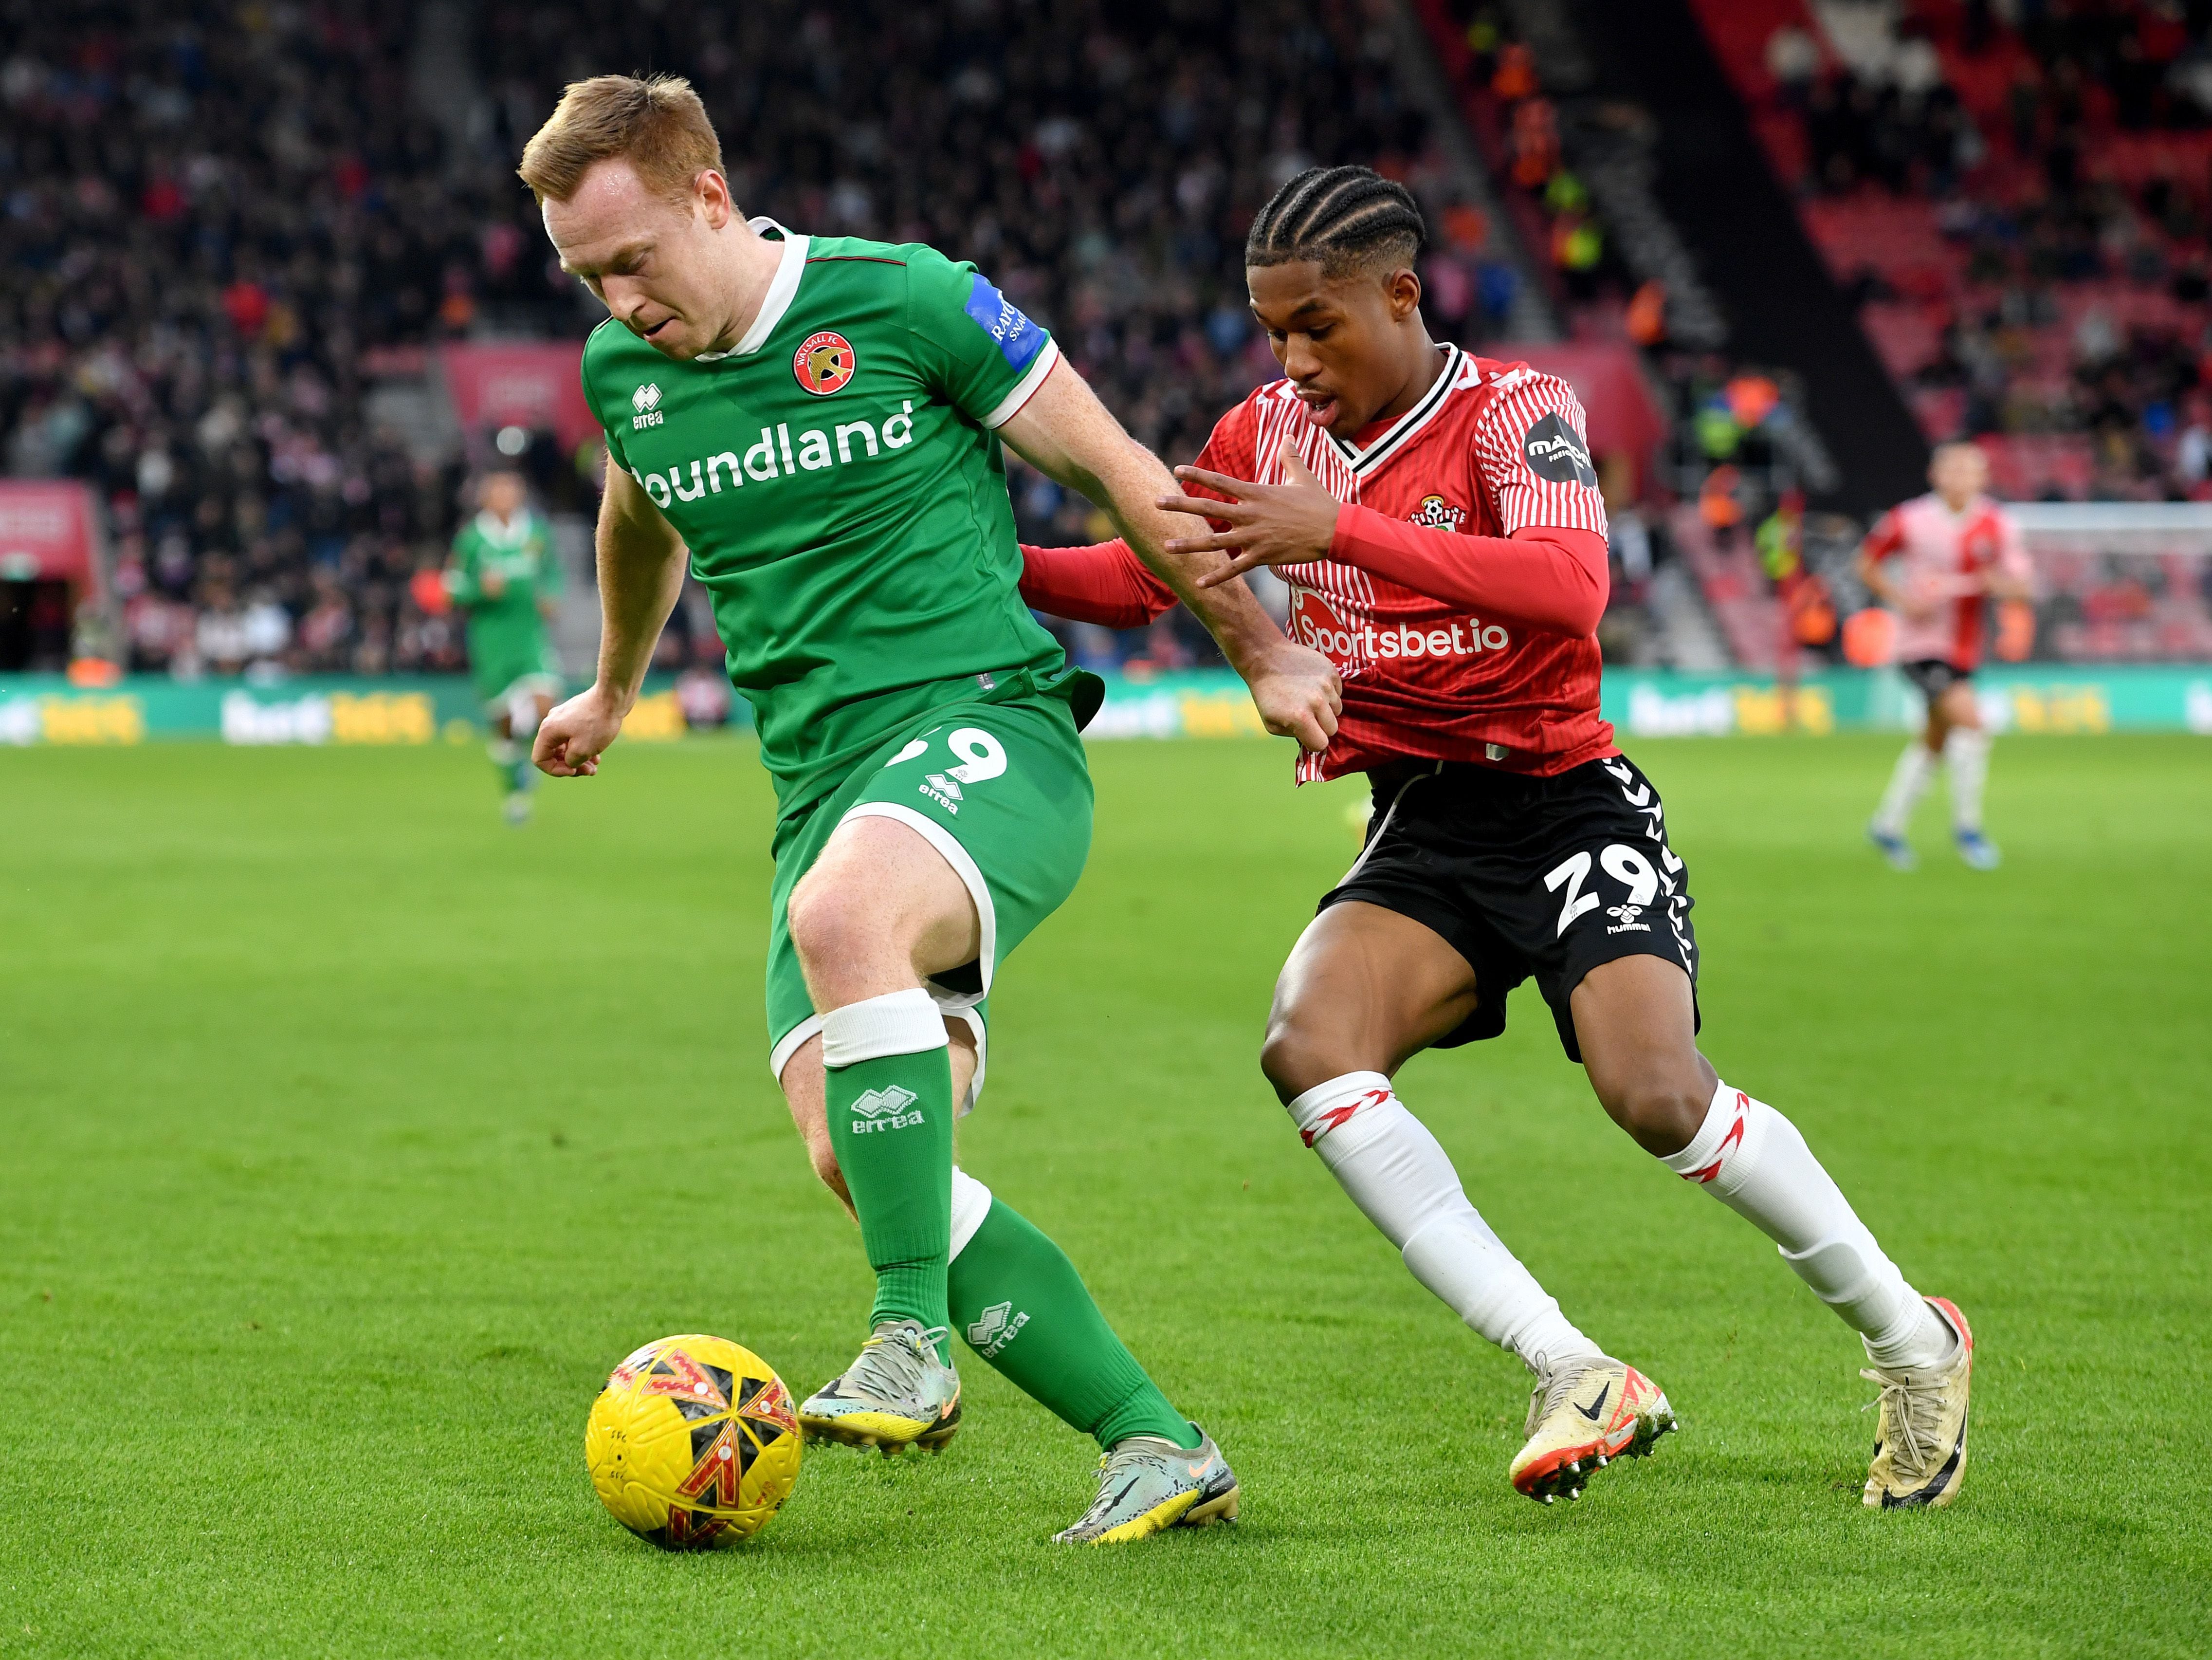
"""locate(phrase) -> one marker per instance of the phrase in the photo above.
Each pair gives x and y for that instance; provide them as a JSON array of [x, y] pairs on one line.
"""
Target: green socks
[[1011, 1291], [1022, 1306], [511, 761], [890, 1087]]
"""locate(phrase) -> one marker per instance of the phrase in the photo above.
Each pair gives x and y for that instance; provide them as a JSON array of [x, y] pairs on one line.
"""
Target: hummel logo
[[885, 1109], [646, 400], [992, 1330], [1597, 1406]]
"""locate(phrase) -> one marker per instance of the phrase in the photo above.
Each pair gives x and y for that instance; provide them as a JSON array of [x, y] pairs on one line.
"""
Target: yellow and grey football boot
[[1584, 1414], [1147, 1483], [1920, 1451], [897, 1394]]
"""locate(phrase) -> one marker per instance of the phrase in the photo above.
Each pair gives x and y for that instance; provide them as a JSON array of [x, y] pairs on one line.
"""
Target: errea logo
[[999, 1326], [646, 400], [885, 1109]]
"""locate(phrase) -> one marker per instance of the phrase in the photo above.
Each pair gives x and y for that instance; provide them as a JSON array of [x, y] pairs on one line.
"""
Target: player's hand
[[493, 582], [1287, 524], [571, 739], [1298, 694]]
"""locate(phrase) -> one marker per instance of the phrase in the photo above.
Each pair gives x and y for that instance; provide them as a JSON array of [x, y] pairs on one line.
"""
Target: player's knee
[[830, 924], [1661, 1109], [1295, 1058]]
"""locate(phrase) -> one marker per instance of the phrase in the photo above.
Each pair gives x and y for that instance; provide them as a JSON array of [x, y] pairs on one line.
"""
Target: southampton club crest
[[824, 363], [1437, 513]]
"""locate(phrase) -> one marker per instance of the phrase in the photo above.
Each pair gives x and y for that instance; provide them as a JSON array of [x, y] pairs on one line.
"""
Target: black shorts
[[1523, 875], [1935, 676]]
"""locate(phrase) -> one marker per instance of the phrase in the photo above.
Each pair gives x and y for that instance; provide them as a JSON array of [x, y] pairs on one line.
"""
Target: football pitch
[[348, 1139]]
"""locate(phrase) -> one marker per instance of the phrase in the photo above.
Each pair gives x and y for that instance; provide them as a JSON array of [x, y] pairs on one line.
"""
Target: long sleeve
[[1545, 576], [1104, 583]]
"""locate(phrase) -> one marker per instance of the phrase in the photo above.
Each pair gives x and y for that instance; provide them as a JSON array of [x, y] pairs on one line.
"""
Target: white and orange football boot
[[1583, 1416], [1920, 1451]]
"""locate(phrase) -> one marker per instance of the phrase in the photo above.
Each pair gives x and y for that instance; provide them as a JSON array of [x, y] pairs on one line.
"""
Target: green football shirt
[[506, 633], [837, 479]]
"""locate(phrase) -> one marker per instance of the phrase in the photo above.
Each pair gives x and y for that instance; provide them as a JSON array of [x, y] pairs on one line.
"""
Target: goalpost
[[2117, 581]]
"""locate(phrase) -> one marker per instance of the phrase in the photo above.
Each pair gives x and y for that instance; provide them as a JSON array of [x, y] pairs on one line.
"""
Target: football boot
[[1895, 848], [1584, 1414], [1147, 1483], [897, 1394], [1979, 852], [1920, 1450]]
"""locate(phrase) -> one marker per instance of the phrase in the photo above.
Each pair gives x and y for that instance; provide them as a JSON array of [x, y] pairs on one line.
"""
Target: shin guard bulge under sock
[[1400, 1175], [1915, 768], [1021, 1305], [1752, 1159], [889, 1080], [1966, 758]]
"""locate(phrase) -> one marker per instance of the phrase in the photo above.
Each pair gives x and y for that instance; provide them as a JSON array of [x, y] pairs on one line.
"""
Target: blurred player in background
[[1937, 560], [815, 422], [1439, 522], [504, 577]]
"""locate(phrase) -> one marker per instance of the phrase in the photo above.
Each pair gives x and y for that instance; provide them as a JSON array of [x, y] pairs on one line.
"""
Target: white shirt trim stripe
[[1025, 388], [1424, 412]]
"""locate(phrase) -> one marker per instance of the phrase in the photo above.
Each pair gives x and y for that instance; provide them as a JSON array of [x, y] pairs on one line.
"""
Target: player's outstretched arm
[[641, 560], [1103, 583], [1068, 435], [1551, 577]]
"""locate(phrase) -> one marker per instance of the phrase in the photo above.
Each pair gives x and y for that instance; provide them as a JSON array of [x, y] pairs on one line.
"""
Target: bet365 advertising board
[[1642, 703]]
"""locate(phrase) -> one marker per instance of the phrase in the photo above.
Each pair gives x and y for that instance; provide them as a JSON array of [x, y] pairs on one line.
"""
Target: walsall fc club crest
[[824, 363]]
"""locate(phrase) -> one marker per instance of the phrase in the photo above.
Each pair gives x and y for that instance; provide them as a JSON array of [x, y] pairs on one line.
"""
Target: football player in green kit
[[816, 422], [504, 577]]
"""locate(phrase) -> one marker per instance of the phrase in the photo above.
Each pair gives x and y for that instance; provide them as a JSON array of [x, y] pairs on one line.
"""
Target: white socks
[[1397, 1173], [1753, 1161], [1915, 768], [1966, 756], [898, 1023], [972, 1203], [1749, 1156]]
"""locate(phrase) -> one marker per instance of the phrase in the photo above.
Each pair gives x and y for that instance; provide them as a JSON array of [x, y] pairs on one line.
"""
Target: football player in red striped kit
[[1437, 519]]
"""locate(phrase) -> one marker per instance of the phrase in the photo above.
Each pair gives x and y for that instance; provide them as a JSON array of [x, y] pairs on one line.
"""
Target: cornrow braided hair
[[1345, 219]]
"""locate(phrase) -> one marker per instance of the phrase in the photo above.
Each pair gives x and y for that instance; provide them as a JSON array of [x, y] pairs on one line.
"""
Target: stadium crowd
[[2022, 207], [224, 231]]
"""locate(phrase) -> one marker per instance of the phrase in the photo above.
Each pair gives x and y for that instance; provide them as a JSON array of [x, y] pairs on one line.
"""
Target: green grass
[[347, 1139]]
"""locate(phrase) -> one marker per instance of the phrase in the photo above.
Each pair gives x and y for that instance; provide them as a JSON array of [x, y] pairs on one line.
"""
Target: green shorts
[[1002, 791]]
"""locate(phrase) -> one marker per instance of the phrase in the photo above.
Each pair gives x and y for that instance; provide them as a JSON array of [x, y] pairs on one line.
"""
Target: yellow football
[[695, 1441]]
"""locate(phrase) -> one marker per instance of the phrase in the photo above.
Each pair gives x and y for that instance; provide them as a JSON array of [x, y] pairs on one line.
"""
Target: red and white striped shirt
[[1940, 560], [1490, 449]]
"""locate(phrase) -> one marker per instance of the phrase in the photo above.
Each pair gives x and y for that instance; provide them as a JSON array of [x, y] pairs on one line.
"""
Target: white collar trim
[[1367, 460], [782, 287], [513, 533]]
